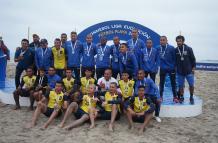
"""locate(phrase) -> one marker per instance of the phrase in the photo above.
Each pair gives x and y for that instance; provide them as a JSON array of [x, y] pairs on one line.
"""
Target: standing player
[[115, 56], [185, 64]]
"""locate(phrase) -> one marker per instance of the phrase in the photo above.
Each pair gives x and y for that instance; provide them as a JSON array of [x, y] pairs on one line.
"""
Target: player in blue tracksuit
[[88, 53], [73, 51], [103, 57], [43, 56], [115, 56], [167, 66], [52, 78], [127, 61], [185, 66], [149, 60], [151, 90], [135, 44]]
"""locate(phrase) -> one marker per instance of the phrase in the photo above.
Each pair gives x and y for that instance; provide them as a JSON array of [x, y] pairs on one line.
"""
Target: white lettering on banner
[[116, 26], [100, 29]]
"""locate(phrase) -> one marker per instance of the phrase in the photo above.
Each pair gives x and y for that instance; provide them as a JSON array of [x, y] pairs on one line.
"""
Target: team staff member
[[103, 57], [149, 60], [167, 66], [73, 53], [185, 65], [24, 57], [135, 44], [88, 53], [115, 56], [127, 61], [59, 59], [43, 56]]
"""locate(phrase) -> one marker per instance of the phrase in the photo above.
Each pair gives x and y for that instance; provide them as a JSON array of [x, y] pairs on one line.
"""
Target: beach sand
[[200, 129]]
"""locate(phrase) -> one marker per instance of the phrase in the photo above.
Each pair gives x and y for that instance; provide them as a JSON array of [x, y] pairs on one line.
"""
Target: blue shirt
[[103, 56], [73, 52], [115, 57], [150, 87], [167, 56], [52, 80], [88, 53], [149, 60], [28, 58], [43, 58], [136, 46], [128, 62]]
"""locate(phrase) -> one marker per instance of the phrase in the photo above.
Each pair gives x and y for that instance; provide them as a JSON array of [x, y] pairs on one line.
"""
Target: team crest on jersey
[[32, 80], [61, 52], [130, 85], [71, 82], [60, 98]]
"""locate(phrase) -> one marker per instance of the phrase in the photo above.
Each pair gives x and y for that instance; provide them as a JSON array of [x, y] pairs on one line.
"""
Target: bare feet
[[16, 108], [111, 127], [29, 125], [61, 125], [92, 126], [130, 126], [141, 130]]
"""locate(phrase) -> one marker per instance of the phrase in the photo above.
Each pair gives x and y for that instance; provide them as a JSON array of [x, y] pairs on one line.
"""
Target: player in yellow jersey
[[50, 105], [111, 106], [26, 88], [68, 81], [87, 80], [139, 109], [84, 112], [59, 57]]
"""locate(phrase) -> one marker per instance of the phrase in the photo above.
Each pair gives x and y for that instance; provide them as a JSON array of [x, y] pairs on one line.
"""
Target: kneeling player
[[139, 109]]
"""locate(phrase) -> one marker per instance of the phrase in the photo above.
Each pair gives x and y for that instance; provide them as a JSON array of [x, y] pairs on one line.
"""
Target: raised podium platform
[[168, 108]]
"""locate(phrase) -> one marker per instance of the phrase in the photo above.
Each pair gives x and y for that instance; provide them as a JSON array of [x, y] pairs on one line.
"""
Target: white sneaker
[[158, 119]]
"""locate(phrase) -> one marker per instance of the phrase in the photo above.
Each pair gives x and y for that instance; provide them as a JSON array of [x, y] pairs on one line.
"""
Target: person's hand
[[102, 85], [20, 58], [104, 103], [159, 101], [193, 70], [96, 99]]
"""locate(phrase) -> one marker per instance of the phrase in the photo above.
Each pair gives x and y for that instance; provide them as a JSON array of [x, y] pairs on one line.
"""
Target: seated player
[[54, 99], [139, 109], [111, 106], [26, 88], [87, 80], [68, 81], [40, 86], [87, 110]]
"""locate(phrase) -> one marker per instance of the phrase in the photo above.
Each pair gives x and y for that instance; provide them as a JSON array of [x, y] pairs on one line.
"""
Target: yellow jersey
[[140, 105], [87, 102], [29, 81], [126, 88], [55, 98], [68, 84], [109, 97], [85, 83], [59, 58]]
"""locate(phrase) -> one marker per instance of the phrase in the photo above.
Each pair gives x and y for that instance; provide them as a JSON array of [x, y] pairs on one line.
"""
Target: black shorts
[[49, 111], [106, 115], [139, 119], [79, 113], [24, 93]]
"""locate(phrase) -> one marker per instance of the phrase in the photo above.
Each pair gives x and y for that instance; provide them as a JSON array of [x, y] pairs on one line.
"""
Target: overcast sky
[[196, 19]]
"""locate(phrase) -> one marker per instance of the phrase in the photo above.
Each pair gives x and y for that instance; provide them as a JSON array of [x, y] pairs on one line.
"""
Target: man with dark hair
[[73, 49], [115, 56], [88, 53], [135, 44], [25, 89], [59, 57], [63, 39], [103, 57], [185, 65], [35, 44], [167, 66], [43, 56], [149, 60], [127, 61], [24, 57]]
